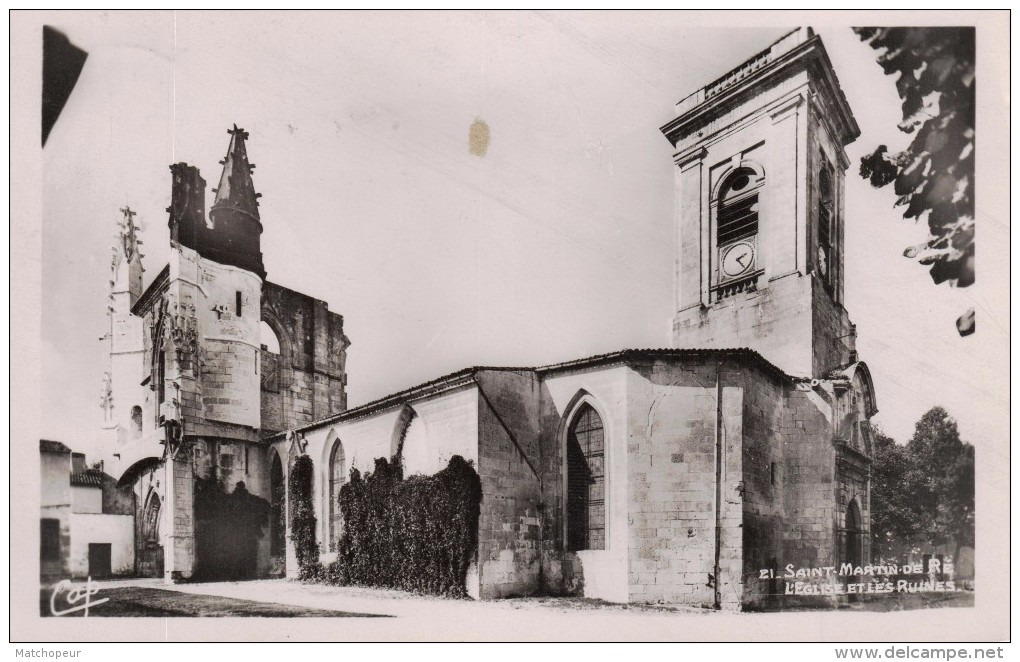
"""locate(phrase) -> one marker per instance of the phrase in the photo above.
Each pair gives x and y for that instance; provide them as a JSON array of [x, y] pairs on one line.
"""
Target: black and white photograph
[[510, 326]]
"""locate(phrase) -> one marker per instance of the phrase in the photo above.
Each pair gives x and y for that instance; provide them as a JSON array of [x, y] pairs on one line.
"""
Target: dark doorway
[[99, 560]]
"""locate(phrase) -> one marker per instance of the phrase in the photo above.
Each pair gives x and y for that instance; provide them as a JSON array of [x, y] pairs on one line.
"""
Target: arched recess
[[404, 418], [853, 535], [274, 374], [137, 466], [337, 476], [150, 518], [411, 439], [277, 508], [584, 446], [269, 340]]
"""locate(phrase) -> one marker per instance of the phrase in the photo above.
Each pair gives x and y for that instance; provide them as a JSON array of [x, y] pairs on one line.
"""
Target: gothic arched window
[[586, 481], [336, 481]]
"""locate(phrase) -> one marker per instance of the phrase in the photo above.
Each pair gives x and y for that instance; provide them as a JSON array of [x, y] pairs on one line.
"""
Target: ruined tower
[[760, 165], [205, 363]]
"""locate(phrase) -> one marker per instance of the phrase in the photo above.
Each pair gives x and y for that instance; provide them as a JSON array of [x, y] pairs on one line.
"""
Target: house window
[[336, 481], [50, 538], [826, 228], [586, 502]]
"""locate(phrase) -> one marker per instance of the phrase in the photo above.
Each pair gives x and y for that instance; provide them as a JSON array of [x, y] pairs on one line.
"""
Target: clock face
[[738, 259]]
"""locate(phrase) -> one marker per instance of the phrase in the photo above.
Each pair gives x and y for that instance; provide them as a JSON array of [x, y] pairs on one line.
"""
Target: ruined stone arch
[[584, 446], [285, 357]]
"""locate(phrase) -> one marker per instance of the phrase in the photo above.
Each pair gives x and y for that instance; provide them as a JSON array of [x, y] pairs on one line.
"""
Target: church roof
[[236, 191], [467, 376], [87, 478]]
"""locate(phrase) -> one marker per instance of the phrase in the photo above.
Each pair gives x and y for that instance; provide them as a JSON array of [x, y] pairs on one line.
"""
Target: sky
[[556, 244]]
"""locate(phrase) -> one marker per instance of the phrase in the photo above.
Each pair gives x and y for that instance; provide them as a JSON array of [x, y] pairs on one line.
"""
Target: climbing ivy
[[418, 534], [302, 517]]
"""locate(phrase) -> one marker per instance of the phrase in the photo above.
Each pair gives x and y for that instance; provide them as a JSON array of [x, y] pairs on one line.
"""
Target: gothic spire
[[236, 191]]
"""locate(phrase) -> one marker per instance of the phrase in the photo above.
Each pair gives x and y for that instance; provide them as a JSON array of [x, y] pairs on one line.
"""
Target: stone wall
[[114, 530], [763, 476], [593, 573], [775, 321], [307, 380], [509, 465], [808, 479], [673, 472]]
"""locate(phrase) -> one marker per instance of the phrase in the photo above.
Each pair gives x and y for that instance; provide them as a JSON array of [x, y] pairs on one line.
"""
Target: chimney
[[187, 205], [77, 463]]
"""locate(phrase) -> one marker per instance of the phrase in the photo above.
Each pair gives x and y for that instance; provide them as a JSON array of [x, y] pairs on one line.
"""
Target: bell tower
[[759, 223]]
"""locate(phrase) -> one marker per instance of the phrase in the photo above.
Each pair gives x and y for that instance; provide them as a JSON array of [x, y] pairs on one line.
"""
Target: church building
[[674, 475]]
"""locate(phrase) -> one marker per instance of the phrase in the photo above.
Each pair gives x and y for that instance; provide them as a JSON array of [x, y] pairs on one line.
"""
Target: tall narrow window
[[336, 481], [237, 302], [160, 380], [736, 228], [586, 500], [826, 229]]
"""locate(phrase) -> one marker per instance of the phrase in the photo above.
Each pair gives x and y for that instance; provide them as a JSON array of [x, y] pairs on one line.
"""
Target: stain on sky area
[[478, 138], [62, 64]]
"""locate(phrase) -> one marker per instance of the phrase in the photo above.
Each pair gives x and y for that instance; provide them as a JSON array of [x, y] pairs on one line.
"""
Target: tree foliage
[[922, 493], [933, 177]]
